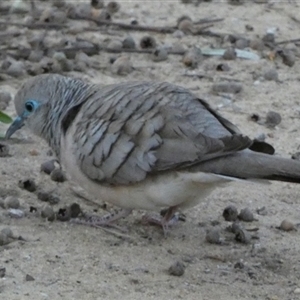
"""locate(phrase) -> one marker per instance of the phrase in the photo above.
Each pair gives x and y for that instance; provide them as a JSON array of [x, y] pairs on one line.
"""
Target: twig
[[207, 20], [35, 25], [288, 41]]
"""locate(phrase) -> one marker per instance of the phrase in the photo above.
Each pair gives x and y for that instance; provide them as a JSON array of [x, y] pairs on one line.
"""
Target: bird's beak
[[16, 125]]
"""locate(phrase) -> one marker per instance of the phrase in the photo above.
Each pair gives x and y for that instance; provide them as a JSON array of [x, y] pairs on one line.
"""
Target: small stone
[[227, 87], [287, 225], [128, 43], [249, 27], [246, 215], [4, 150], [5, 98], [288, 57], [242, 43], [75, 210], [229, 54], [2, 272], [8, 232], [296, 156], [243, 236], [48, 213], [58, 175], [16, 69], [28, 185], [230, 213], [297, 291], [29, 278], [262, 211], [177, 269], [16, 213], [97, 4], [34, 152], [269, 39], [113, 7], [186, 26], [192, 58], [35, 55], [63, 214], [48, 166], [257, 44], [105, 15], [4, 240], [147, 42], [271, 74], [213, 236], [223, 67], [115, 45], [235, 227], [11, 202], [48, 197], [273, 119], [122, 65], [159, 54]]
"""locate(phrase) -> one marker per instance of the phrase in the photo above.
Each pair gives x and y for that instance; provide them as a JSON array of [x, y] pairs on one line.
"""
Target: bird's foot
[[104, 221], [169, 218]]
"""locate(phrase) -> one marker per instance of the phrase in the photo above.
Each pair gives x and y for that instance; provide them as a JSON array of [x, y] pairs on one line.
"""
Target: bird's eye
[[29, 106]]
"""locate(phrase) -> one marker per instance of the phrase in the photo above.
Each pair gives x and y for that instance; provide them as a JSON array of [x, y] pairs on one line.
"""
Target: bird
[[143, 145]]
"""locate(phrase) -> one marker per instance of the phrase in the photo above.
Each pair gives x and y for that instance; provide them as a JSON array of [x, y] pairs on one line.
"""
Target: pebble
[[47, 212], [230, 213], [287, 225], [148, 42], [29, 278], [128, 43], [257, 44], [11, 202], [104, 15], [63, 214], [35, 55], [243, 236], [235, 227], [186, 26], [16, 213], [227, 87], [4, 240], [8, 232], [58, 175], [97, 4], [192, 58], [229, 54], [271, 74], [288, 57], [48, 166], [246, 215], [177, 269], [297, 291], [273, 119], [242, 43], [223, 67], [122, 65], [2, 272], [296, 156], [5, 98], [159, 54], [213, 236], [4, 149], [48, 197], [28, 185], [16, 69], [75, 210], [113, 7]]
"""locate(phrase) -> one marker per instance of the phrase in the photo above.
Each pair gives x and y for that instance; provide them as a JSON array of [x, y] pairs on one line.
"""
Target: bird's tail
[[253, 165]]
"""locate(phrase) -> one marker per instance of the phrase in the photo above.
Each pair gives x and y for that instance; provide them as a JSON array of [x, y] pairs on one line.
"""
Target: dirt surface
[[69, 261]]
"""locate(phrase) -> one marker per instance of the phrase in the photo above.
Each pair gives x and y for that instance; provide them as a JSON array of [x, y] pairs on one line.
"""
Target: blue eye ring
[[30, 106]]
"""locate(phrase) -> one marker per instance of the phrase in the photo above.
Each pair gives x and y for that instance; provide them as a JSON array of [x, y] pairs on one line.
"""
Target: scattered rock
[[75, 210], [271, 74], [58, 175], [229, 54], [48, 197], [5, 98], [227, 87], [147, 42], [48, 166], [115, 45], [4, 149], [63, 214], [2, 272], [159, 54], [16, 213], [213, 236], [288, 57], [297, 291], [28, 185], [273, 119], [296, 156], [287, 225], [246, 215], [235, 227], [11, 202], [48, 213], [223, 67], [230, 213], [192, 58], [4, 240], [128, 43], [257, 44], [243, 236], [113, 7], [186, 26], [242, 43], [29, 278], [97, 4], [262, 211], [177, 269], [122, 65], [16, 69]]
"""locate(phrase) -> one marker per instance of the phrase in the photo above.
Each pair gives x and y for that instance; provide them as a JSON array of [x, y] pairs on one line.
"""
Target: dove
[[142, 145]]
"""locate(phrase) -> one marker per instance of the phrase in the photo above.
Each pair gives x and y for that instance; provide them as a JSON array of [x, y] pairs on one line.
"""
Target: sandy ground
[[69, 261]]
